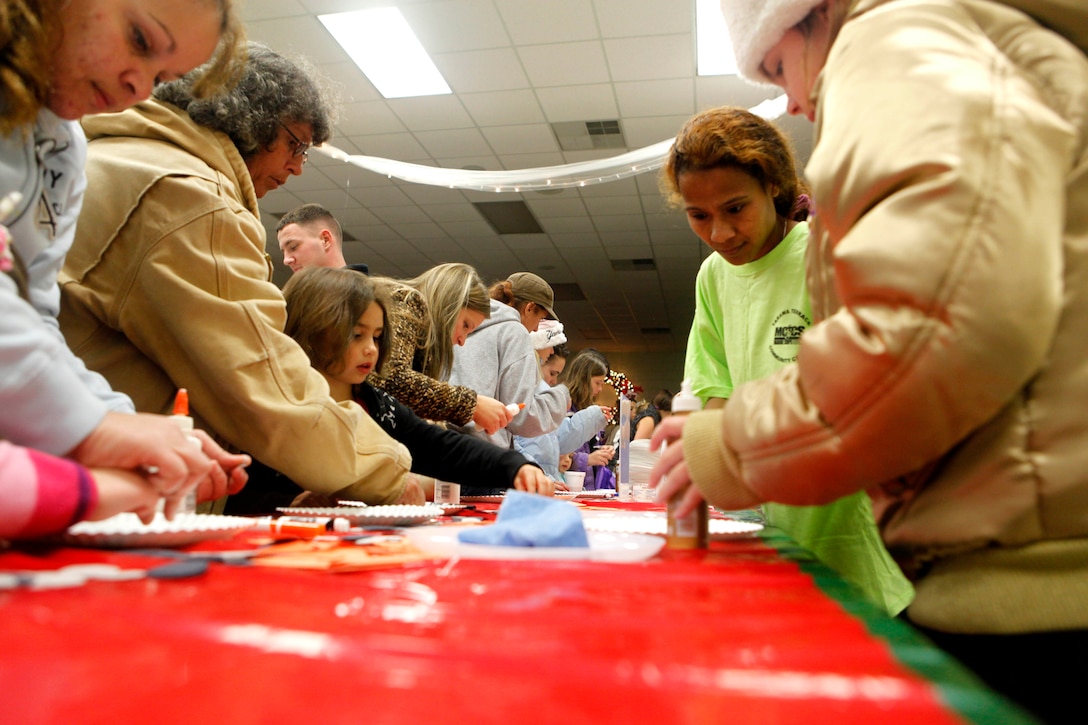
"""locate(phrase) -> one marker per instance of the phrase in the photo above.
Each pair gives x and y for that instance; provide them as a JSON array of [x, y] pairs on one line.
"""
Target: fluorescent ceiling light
[[714, 49], [387, 51]]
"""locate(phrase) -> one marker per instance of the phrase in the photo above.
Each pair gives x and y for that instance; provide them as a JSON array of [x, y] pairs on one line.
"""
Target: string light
[[622, 385]]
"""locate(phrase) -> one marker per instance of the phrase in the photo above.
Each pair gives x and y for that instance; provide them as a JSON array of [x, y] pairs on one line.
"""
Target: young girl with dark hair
[[338, 319]]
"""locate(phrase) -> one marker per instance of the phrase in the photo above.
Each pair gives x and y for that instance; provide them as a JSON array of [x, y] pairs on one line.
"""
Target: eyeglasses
[[301, 148]]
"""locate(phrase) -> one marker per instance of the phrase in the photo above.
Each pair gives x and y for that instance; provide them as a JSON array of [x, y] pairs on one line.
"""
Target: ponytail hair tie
[[801, 208]]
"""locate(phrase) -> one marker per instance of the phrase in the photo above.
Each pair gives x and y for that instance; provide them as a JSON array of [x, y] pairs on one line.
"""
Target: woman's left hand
[[533, 480]]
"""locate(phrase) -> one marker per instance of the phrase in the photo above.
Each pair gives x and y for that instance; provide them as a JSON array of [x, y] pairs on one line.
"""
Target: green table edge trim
[[958, 686]]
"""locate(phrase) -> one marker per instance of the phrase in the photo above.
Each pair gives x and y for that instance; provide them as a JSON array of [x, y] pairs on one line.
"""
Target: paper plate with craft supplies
[[127, 531], [395, 515]]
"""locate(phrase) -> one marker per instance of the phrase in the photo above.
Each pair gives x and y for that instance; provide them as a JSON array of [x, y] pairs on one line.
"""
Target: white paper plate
[[603, 546], [599, 493], [400, 515], [654, 522], [126, 530]]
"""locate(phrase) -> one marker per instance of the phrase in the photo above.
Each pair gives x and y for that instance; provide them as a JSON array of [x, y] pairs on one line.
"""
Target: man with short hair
[[310, 236]]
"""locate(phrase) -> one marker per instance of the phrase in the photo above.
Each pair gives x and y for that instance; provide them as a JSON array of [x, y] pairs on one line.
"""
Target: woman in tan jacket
[[947, 369]]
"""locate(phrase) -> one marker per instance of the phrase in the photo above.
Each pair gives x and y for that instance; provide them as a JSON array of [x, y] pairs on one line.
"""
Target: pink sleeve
[[41, 494]]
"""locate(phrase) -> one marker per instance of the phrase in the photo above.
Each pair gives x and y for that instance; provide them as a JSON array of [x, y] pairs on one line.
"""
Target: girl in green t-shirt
[[734, 175]]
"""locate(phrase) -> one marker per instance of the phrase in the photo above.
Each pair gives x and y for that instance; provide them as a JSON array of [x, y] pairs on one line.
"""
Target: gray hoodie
[[498, 360]]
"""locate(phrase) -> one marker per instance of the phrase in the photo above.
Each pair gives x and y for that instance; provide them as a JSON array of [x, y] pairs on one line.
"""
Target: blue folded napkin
[[528, 519]]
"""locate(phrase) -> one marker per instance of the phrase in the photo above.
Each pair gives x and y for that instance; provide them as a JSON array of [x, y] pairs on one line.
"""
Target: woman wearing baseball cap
[[498, 359]]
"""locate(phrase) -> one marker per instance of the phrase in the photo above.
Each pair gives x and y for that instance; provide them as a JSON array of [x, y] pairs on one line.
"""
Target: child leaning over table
[[338, 318], [576, 429], [585, 377]]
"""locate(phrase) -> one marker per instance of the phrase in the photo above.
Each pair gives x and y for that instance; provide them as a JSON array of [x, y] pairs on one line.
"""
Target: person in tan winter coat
[[168, 284], [947, 368]]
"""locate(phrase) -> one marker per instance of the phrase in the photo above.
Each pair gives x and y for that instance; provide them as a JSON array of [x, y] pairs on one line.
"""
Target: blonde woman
[[429, 315], [61, 60]]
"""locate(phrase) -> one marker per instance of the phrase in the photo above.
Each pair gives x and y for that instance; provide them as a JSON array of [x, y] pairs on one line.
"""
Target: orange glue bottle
[[185, 423]]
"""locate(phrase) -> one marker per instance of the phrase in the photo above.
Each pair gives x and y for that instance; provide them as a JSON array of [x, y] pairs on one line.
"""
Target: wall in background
[[651, 370]]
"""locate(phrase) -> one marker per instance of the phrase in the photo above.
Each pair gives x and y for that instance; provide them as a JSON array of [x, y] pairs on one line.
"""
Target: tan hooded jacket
[[168, 285], [948, 370]]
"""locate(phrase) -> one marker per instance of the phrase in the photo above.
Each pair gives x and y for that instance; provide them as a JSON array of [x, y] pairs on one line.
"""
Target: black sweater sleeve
[[438, 452]]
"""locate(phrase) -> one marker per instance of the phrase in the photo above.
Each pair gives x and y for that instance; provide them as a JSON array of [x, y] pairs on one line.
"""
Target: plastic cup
[[575, 480]]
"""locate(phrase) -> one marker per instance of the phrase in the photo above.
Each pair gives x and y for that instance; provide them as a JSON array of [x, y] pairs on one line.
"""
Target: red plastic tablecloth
[[739, 633]]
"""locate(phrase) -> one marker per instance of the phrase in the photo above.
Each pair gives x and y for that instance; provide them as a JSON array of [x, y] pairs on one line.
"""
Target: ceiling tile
[[503, 108], [642, 132], [650, 58], [534, 138], [560, 225], [451, 141], [455, 25], [629, 18], [602, 206], [427, 113], [650, 98], [565, 63], [482, 70], [301, 35], [575, 239], [531, 22], [371, 117], [400, 146], [595, 102]]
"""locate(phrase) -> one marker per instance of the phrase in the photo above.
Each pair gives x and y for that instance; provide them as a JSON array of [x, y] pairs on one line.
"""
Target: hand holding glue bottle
[[690, 531], [184, 421], [512, 408], [227, 474]]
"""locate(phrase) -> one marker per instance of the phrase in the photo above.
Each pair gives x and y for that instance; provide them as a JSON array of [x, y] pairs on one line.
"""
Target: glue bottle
[[691, 531], [185, 423]]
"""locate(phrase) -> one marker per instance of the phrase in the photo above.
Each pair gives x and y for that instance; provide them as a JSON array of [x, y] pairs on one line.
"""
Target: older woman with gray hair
[[168, 285]]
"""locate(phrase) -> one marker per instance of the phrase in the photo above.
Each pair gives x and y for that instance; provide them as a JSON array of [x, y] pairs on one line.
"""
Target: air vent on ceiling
[[655, 330], [645, 264], [509, 217], [586, 135]]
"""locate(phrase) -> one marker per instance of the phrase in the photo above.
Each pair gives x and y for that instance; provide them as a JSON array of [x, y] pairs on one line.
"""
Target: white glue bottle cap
[[686, 401]]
